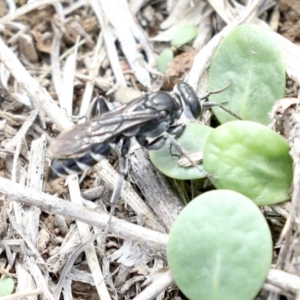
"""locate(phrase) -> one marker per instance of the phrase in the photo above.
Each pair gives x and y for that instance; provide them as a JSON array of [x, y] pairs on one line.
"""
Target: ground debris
[[54, 59]]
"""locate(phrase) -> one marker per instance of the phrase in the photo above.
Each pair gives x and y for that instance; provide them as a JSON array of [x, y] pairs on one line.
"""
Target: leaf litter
[[54, 59]]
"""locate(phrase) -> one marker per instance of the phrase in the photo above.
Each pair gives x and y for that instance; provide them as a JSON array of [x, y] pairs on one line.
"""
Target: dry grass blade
[[193, 15], [53, 205], [109, 43], [30, 215], [286, 282], [26, 9], [34, 263], [90, 252], [66, 92], [159, 285], [97, 60], [289, 253], [38, 94], [118, 14], [292, 57], [18, 140], [55, 62], [23, 295], [69, 265], [197, 76]]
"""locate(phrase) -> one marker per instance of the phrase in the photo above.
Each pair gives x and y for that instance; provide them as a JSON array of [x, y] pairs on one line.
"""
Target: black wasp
[[151, 119], [146, 118]]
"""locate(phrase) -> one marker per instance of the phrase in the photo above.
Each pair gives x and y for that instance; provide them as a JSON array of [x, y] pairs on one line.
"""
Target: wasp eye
[[189, 99]]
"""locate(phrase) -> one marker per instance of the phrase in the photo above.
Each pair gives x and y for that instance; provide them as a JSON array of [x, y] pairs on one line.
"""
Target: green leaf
[[184, 35], [7, 286], [192, 141], [164, 59], [250, 59], [249, 158], [220, 248]]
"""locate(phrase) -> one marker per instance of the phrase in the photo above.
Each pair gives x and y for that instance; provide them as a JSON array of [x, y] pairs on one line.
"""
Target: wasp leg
[[156, 144], [123, 162], [183, 152], [97, 106], [172, 153], [177, 131]]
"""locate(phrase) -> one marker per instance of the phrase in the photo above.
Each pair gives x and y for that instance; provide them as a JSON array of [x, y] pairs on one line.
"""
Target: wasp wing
[[79, 139]]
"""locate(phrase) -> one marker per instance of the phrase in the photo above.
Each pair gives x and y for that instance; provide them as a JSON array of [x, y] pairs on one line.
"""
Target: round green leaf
[[249, 158], [250, 59], [164, 59], [192, 141], [184, 35], [7, 286], [220, 248]]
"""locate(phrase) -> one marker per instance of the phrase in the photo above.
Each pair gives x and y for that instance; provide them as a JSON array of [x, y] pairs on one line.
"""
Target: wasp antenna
[[216, 92], [213, 104]]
